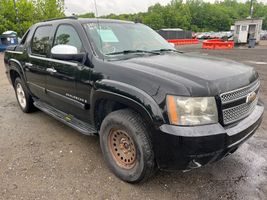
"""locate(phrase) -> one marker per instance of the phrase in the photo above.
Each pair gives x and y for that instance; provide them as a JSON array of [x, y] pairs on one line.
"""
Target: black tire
[[131, 123], [28, 107]]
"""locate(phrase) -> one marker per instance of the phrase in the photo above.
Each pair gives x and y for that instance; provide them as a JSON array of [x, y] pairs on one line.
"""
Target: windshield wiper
[[162, 50], [133, 51]]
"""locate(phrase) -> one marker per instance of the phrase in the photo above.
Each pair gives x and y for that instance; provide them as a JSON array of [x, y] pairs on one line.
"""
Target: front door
[[62, 75]]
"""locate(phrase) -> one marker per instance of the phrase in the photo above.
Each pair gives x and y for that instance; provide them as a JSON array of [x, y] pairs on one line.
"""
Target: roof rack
[[69, 17]]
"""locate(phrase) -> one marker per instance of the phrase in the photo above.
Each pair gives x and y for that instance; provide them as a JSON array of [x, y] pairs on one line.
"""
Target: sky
[[105, 7]]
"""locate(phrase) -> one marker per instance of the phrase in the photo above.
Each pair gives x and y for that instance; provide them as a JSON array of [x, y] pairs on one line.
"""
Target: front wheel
[[126, 146]]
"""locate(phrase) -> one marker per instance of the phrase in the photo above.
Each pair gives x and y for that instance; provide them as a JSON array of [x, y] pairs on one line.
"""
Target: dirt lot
[[41, 158]]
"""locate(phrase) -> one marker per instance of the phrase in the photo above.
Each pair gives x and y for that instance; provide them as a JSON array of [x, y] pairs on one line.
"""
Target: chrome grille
[[239, 111], [239, 93]]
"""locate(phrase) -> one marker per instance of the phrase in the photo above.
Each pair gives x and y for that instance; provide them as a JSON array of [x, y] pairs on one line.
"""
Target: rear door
[[35, 67]]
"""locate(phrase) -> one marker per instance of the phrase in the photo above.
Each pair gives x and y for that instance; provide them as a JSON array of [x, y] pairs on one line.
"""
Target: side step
[[67, 119]]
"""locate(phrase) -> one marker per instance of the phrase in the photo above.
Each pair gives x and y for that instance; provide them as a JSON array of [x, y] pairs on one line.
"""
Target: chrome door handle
[[51, 70], [28, 64]]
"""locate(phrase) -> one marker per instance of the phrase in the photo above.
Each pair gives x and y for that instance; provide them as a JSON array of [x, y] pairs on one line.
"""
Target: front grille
[[238, 112], [240, 109], [239, 93]]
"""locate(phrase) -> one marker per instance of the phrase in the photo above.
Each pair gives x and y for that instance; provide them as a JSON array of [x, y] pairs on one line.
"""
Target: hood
[[200, 75]]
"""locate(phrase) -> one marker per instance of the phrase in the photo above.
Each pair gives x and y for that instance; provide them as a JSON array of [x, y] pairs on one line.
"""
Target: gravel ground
[[40, 158]]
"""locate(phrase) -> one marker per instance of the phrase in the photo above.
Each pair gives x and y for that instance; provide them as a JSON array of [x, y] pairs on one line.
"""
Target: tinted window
[[66, 34], [3, 41], [40, 42]]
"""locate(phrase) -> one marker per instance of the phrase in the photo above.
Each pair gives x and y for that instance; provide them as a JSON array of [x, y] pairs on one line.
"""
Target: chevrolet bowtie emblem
[[251, 97]]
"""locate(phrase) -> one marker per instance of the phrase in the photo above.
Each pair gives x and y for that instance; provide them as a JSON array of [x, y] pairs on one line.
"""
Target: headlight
[[192, 110]]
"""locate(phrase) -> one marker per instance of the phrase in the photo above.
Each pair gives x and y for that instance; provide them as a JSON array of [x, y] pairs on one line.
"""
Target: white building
[[248, 28]]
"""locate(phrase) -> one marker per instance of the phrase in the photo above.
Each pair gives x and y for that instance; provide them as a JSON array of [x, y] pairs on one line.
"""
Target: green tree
[[196, 15], [8, 18], [155, 17], [29, 12], [87, 15], [47, 9]]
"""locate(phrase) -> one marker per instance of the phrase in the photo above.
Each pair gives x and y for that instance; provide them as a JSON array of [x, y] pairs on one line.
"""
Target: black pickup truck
[[151, 105]]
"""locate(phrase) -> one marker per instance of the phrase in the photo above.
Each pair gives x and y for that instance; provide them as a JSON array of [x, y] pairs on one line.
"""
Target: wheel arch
[[121, 95], [15, 70]]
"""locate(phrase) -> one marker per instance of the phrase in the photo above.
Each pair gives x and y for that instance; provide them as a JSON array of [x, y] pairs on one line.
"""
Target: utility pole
[[251, 9], [17, 16]]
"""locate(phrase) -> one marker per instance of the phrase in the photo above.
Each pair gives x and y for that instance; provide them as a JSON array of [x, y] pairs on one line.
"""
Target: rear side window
[[40, 41], [66, 34]]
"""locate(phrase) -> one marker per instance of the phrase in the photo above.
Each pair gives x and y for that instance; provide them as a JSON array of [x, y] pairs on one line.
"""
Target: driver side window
[[66, 34]]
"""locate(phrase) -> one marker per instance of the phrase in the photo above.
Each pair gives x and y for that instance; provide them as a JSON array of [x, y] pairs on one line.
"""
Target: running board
[[67, 119]]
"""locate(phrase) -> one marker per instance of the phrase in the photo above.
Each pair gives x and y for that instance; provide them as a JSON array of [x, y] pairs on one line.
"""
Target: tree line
[[195, 15], [29, 12]]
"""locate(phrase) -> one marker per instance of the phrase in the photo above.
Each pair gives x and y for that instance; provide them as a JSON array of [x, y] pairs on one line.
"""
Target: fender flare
[[16, 67], [128, 95]]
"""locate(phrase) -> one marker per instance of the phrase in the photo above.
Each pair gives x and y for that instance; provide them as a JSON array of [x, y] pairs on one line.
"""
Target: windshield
[[119, 39]]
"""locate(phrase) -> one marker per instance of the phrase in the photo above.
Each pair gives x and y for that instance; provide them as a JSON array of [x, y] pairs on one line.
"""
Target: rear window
[[3, 41], [40, 41]]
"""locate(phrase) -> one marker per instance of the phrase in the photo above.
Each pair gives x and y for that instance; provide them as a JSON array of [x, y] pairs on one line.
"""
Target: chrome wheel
[[122, 148], [21, 95]]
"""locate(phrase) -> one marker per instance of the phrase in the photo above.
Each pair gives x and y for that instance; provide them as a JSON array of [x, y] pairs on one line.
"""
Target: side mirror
[[66, 52]]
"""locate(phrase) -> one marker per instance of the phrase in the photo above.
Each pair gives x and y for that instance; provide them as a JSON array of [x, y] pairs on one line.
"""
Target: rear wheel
[[23, 97], [126, 146]]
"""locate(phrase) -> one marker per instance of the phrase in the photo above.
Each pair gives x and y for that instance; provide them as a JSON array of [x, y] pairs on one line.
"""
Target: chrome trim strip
[[66, 99], [17, 52], [36, 86], [54, 60]]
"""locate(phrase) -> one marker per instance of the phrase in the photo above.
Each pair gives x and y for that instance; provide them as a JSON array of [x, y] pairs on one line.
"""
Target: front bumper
[[186, 148]]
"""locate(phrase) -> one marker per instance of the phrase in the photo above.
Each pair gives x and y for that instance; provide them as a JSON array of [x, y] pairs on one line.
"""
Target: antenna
[[98, 25], [96, 12]]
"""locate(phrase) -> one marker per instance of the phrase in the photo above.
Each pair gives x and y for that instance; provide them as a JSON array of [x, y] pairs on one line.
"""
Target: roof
[[9, 33], [95, 20], [171, 29], [89, 20], [253, 20]]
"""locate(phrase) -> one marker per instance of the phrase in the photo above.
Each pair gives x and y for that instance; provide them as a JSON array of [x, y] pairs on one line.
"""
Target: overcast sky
[[114, 6]]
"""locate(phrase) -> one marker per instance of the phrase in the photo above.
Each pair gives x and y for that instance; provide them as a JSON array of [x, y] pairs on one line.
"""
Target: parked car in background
[[8, 38], [263, 35], [214, 35]]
